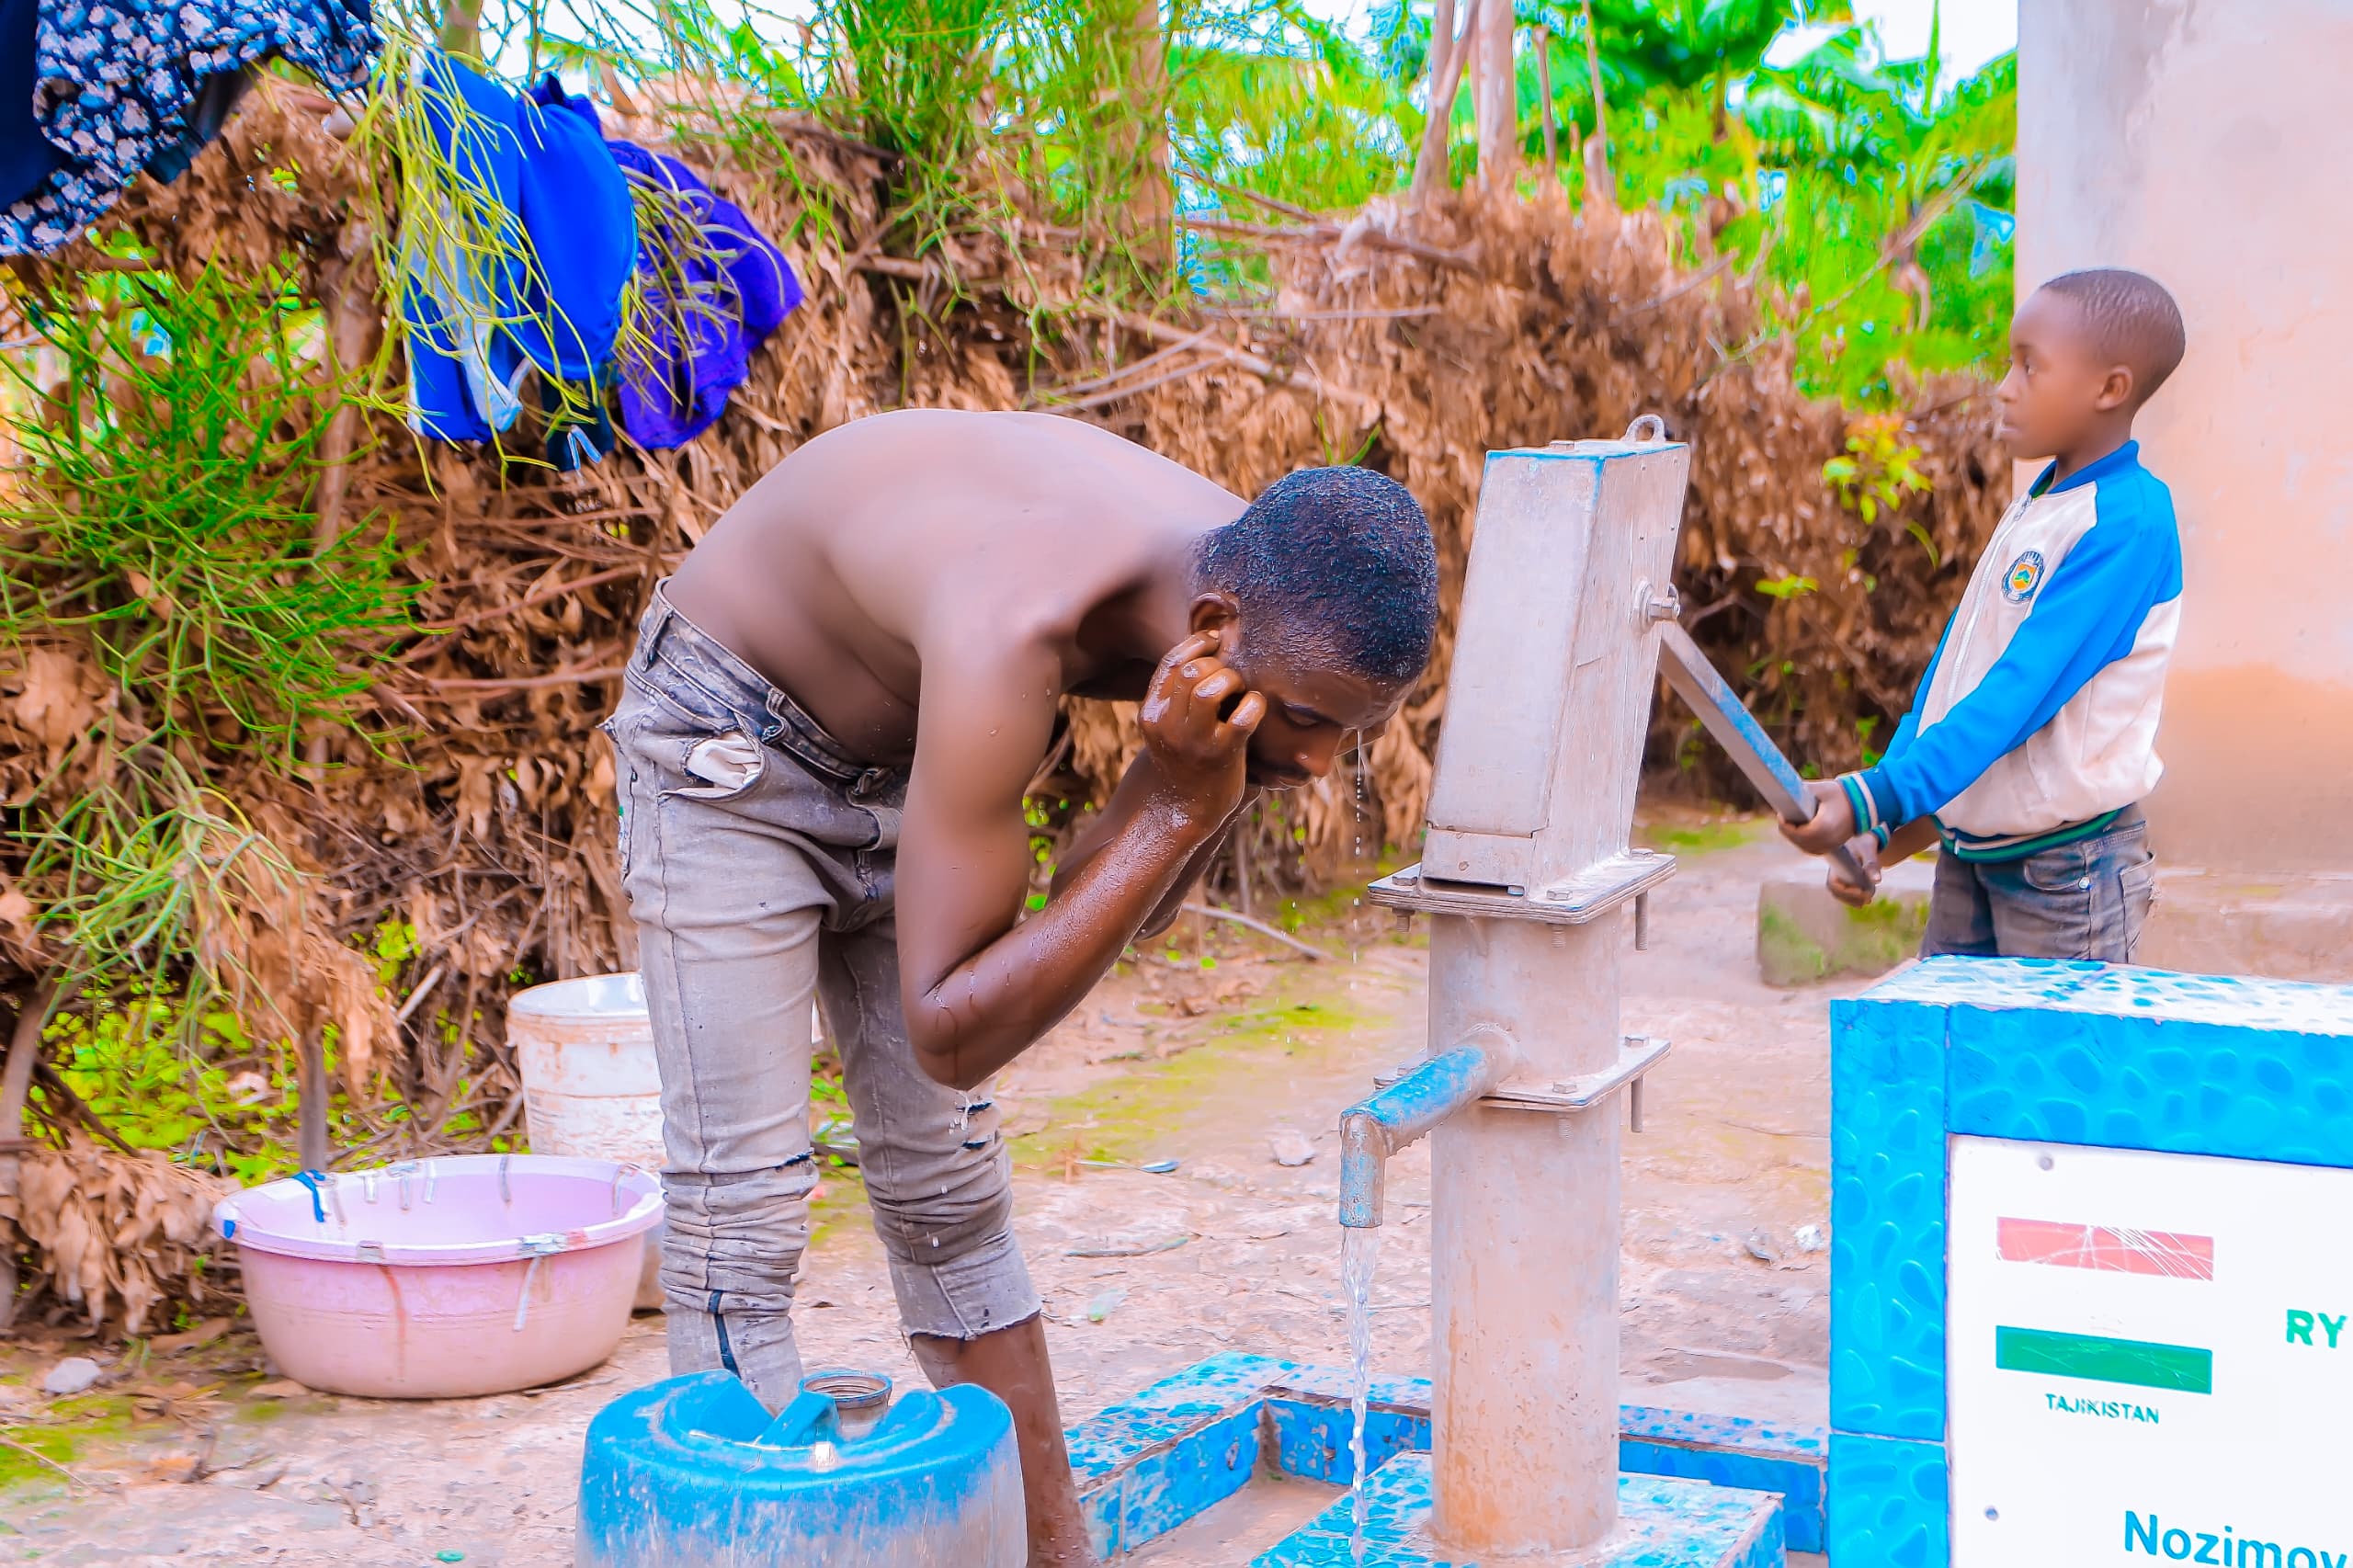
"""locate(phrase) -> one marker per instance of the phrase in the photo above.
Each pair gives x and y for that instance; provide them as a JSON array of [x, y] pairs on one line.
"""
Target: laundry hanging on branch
[[519, 246], [521, 259], [714, 287], [516, 260]]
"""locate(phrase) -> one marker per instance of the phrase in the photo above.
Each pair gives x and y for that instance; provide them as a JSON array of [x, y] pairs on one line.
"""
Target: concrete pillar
[[2204, 142], [1523, 1248]]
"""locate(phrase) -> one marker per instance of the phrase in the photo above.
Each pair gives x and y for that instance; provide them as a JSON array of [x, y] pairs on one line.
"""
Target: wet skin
[[929, 585]]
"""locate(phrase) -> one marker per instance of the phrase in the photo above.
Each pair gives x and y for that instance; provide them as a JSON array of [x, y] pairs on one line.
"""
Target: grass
[[1704, 837], [165, 516], [1339, 905], [1866, 941], [1785, 954], [70, 1429], [103, 1426]]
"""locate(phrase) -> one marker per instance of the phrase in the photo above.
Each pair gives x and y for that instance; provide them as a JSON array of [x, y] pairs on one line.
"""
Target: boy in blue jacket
[[2031, 739]]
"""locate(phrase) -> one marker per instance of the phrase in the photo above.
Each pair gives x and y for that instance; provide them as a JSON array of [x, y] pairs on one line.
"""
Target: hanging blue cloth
[[576, 438], [115, 86], [545, 290], [711, 300]]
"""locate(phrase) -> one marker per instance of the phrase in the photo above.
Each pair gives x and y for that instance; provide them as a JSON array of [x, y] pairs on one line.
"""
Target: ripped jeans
[[758, 856]]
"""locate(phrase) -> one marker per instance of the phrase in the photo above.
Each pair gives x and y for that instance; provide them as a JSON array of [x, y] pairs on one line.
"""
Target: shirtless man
[[824, 734]]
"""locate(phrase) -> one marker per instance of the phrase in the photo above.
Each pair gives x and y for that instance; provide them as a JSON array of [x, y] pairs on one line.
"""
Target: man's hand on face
[[1200, 754], [1832, 822]]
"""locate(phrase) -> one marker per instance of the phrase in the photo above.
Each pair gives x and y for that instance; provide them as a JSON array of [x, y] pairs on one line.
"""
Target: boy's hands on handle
[[1855, 858], [1200, 751], [1863, 849], [1832, 825], [1870, 859]]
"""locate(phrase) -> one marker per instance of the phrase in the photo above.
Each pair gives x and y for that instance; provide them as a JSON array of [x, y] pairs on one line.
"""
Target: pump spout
[[1375, 1129]]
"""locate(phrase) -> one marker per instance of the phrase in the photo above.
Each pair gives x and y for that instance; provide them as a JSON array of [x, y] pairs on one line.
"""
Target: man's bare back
[[912, 533]]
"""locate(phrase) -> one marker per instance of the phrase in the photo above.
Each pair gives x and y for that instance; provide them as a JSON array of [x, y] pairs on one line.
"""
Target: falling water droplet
[[1363, 764]]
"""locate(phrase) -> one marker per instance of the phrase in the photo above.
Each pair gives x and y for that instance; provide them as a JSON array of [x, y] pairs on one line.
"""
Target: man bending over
[[825, 734]]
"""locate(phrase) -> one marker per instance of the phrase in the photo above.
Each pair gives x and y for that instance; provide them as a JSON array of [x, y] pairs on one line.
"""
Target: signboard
[[2149, 1359]]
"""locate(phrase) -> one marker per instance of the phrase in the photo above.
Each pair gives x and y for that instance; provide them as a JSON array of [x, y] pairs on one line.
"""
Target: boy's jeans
[[2087, 900], [759, 859]]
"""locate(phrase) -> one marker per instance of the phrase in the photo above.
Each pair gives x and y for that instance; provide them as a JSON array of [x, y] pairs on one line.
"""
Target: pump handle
[[1735, 728]]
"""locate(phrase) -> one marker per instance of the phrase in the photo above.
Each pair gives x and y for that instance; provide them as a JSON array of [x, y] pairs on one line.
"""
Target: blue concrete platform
[[1188, 1443], [2030, 1051], [1663, 1523]]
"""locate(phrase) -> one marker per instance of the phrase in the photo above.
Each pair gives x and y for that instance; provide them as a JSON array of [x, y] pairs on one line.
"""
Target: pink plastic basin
[[443, 1278]]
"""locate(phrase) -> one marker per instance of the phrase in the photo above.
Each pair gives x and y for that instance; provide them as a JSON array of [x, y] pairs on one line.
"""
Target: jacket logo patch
[[2024, 576]]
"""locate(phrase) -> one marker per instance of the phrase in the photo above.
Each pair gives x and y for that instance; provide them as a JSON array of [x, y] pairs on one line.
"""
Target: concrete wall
[[2205, 142]]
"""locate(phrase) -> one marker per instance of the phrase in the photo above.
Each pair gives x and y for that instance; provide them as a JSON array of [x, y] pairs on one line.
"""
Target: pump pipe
[[1379, 1126]]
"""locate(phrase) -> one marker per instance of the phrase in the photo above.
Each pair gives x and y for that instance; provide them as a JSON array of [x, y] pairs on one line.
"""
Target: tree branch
[[1269, 932], [24, 1053]]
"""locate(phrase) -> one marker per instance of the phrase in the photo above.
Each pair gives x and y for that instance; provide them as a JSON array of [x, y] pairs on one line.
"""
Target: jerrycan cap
[[858, 1398]]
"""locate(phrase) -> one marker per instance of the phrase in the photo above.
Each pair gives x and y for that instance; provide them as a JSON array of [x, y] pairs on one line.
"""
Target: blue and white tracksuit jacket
[[2037, 721]]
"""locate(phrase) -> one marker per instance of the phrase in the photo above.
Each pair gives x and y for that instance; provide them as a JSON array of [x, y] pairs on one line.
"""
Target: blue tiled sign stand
[[1698, 1492], [2046, 1053]]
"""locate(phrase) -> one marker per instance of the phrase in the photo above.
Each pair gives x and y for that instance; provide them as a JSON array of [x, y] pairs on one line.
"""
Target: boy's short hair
[[2131, 319], [1338, 564]]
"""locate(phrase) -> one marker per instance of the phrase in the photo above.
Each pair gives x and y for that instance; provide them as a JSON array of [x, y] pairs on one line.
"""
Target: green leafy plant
[[165, 514], [1879, 471], [227, 1103]]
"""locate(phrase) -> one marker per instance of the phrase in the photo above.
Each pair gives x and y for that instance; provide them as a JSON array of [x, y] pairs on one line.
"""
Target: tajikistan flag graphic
[[2178, 1368]]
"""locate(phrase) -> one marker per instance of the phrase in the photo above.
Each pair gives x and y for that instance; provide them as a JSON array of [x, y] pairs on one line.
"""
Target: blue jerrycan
[[692, 1473]]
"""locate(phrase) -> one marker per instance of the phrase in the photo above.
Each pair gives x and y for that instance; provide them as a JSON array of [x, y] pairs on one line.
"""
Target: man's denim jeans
[[759, 859]]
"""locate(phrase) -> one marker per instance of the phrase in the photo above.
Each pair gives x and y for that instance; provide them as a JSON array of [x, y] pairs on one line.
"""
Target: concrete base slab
[[1803, 935], [1663, 1523], [2292, 928]]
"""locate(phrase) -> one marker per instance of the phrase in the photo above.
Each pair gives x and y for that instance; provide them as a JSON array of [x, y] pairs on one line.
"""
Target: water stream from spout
[[1360, 1252]]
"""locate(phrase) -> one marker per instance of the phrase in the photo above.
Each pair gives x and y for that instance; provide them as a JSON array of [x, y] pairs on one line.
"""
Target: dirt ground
[[195, 1458]]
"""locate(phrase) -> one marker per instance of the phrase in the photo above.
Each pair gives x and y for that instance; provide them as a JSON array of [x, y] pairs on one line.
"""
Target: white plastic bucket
[[589, 1080], [590, 1084]]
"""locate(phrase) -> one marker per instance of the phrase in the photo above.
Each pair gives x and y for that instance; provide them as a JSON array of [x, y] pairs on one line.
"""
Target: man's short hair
[[2131, 319], [1336, 564]]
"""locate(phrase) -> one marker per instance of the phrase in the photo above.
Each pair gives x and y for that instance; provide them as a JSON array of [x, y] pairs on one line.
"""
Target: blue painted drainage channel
[[1711, 1489]]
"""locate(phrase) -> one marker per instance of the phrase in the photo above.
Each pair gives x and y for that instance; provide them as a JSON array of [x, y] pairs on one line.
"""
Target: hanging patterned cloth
[[116, 87]]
